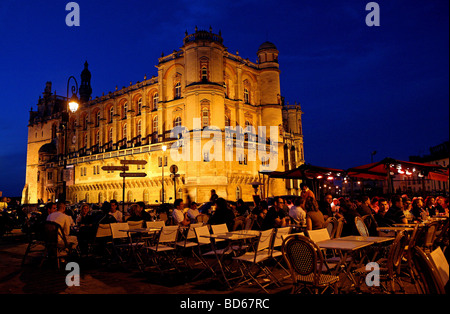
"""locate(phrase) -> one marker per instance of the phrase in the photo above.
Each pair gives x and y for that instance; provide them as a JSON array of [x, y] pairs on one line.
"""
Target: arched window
[[97, 119], [155, 124], [205, 117], [246, 96], [124, 132], [139, 106], [178, 90], [125, 110], [238, 193], [227, 121], [139, 128], [177, 122], [97, 138], [110, 136], [155, 101], [129, 196], [86, 197], [100, 197], [111, 114], [204, 74]]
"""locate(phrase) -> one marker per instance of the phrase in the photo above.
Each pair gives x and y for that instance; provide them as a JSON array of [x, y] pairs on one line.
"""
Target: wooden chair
[[427, 274], [56, 245], [303, 257]]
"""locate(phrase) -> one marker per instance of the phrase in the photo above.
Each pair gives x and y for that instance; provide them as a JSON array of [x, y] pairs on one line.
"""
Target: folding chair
[[207, 248], [188, 242], [123, 245], [103, 238], [152, 238], [303, 256], [163, 252], [257, 258], [275, 250], [322, 235], [135, 224]]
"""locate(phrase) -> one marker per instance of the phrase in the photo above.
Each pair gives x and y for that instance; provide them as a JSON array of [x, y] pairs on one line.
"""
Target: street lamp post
[[164, 148], [71, 106]]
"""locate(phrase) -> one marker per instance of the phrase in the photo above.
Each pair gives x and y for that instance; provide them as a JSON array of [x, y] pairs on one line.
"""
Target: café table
[[235, 242], [135, 236], [347, 250]]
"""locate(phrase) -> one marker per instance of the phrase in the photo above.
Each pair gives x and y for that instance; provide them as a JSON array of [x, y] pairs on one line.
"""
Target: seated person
[[276, 216], [138, 213], [115, 212], [65, 222], [178, 214], [193, 212], [395, 213]]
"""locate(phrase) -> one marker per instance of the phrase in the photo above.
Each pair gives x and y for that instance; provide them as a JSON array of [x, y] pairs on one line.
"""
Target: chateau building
[[201, 87]]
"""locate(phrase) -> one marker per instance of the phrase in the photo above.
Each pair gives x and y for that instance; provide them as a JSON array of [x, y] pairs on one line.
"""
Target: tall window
[[155, 124], [204, 74], [111, 114], [97, 138], [155, 101], [227, 121], [177, 122], [138, 128], [246, 96], [205, 117], [97, 119], [139, 106], [110, 135], [125, 109], [85, 141], [178, 90], [124, 132]]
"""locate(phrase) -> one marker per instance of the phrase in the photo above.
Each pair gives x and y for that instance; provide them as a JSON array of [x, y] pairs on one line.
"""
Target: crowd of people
[[304, 211]]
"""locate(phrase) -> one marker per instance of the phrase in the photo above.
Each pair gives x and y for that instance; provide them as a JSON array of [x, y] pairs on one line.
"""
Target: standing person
[[65, 222], [179, 216], [276, 216], [314, 217], [395, 212], [115, 212], [222, 214], [214, 196], [306, 192]]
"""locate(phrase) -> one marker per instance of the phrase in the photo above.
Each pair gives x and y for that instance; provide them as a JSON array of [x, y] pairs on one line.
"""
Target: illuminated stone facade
[[200, 85]]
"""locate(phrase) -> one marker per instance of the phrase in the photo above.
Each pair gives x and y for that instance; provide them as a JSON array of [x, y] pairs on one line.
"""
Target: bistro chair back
[[103, 230], [427, 274], [221, 228], [279, 235], [305, 262], [361, 227], [331, 224], [339, 228], [56, 245]]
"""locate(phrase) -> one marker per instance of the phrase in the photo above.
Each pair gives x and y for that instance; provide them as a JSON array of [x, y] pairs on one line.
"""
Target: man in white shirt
[[193, 212], [179, 217], [65, 222], [297, 213], [115, 211]]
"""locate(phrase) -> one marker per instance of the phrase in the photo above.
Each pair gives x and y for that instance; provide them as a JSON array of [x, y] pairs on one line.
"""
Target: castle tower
[[85, 87]]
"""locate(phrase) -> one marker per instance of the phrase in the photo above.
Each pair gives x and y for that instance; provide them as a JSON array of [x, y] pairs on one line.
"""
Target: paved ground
[[97, 279]]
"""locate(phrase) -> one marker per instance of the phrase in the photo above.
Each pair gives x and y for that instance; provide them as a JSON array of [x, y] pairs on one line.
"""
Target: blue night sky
[[361, 88]]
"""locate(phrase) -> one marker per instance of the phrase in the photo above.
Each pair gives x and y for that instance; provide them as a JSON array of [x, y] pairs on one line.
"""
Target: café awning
[[307, 171], [389, 166]]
